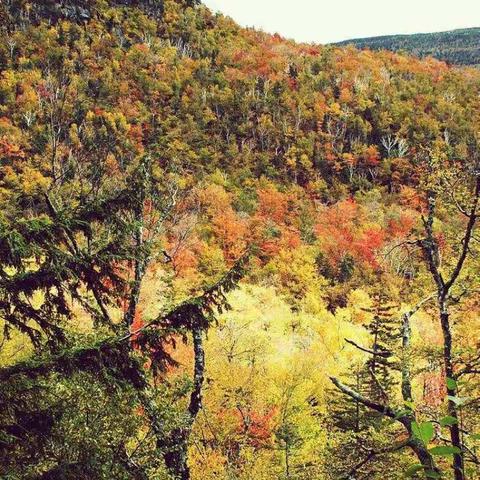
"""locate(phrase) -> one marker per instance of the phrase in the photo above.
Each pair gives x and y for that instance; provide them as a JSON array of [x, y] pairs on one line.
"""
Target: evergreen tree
[[385, 333]]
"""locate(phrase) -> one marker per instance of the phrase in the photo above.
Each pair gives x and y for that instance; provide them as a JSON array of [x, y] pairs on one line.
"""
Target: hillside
[[456, 47], [226, 255]]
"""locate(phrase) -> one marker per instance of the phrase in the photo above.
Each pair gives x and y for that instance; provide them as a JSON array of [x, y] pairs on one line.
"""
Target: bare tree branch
[[378, 407], [380, 353]]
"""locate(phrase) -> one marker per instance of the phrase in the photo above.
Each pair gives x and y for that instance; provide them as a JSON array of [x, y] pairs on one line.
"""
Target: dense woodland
[[456, 47], [225, 255]]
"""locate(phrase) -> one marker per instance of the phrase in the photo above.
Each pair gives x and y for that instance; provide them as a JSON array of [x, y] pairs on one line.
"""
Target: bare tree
[[449, 283], [389, 142], [394, 144]]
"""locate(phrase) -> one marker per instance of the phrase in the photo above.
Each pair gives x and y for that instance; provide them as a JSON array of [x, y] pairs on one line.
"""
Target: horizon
[[308, 23]]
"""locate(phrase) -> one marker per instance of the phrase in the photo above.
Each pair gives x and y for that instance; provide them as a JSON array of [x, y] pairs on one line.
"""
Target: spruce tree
[[384, 331]]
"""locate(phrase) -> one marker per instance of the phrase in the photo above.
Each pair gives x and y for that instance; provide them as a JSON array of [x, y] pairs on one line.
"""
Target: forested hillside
[[225, 255], [456, 47]]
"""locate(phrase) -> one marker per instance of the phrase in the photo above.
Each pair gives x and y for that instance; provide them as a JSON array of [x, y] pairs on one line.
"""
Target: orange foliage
[[231, 232], [184, 259], [434, 388], [136, 325], [400, 227], [272, 204]]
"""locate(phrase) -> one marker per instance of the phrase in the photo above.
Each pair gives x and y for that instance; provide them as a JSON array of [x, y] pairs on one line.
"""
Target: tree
[[384, 332], [143, 145], [404, 416], [113, 360], [446, 283]]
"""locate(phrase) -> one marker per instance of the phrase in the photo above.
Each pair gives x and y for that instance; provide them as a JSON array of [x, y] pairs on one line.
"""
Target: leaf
[[451, 384], [423, 431], [413, 469], [475, 436], [410, 405], [432, 474], [448, 421], [402, 413], [444, 450], [459, 401]]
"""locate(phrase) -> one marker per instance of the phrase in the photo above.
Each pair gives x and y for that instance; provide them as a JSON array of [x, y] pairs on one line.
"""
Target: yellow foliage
[[269, 359]]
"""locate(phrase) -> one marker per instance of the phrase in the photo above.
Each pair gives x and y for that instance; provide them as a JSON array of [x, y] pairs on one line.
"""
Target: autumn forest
[[226, 255]]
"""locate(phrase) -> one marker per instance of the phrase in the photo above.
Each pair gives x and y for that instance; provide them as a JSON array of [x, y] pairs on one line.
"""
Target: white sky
[[324, 21]]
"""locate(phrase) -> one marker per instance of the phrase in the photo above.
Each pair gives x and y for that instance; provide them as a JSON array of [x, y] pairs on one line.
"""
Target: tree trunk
[[421, 451], [198, 373], [406, 344], [455, 437], [175, 445], [176, 457]]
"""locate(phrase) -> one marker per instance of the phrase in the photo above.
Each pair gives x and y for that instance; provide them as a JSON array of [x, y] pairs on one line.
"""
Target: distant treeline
[[457, 47]]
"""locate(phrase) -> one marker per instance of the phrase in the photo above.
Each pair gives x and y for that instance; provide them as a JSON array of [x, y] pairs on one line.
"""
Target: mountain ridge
[[456, 47]]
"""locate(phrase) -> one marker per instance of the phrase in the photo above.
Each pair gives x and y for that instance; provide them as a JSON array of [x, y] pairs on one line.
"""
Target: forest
[[226, 255]]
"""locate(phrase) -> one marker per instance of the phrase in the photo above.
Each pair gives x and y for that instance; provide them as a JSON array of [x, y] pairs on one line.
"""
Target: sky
[[324, 21]]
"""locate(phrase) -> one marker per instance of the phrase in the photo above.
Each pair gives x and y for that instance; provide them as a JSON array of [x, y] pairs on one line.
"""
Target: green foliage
[[448, 421], [423, 431], [444, 450], [451, 384], [37, 417], [414, 469]]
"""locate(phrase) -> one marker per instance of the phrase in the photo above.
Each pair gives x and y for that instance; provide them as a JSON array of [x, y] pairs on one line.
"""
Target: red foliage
[[292, 83], [340, 234], [10, 150], [367, 245], [257, 426], [44, 92], [371, 156]]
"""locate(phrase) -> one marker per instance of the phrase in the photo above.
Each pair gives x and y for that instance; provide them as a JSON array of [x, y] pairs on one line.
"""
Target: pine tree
[[374, 378], [384, 331], [360, 427]]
